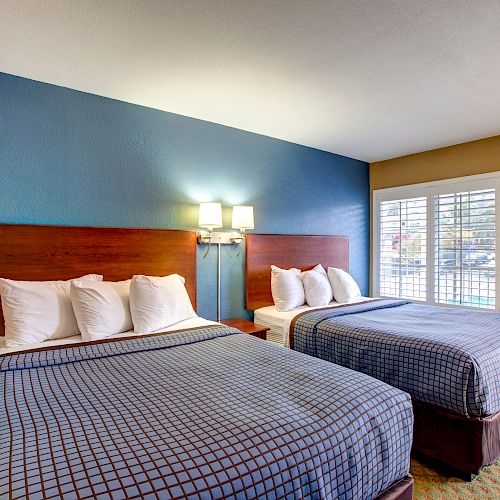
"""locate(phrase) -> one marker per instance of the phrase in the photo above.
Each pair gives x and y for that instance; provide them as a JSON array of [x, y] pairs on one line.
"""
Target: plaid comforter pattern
[[209, 413], [446, 357]]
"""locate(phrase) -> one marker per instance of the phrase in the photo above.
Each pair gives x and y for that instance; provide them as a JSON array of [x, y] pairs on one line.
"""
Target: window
[[464, 245], [403, 255], [435, 242]]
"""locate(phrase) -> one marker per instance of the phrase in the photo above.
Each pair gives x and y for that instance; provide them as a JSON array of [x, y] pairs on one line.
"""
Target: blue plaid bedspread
[[206, 413], [446, 357]]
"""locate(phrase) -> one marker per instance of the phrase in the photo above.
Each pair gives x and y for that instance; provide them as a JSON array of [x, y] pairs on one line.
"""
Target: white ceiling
[[370, 79]]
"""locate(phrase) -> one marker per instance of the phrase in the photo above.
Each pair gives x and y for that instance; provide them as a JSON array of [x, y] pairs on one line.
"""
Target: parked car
[[469, 258]]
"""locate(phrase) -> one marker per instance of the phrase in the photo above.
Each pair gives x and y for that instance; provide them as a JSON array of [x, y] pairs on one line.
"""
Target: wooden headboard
[[31, 252], [286, 251]]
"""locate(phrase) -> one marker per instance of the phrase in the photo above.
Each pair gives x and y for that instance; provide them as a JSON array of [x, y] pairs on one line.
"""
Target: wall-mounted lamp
[[242, 220], [210, 218]]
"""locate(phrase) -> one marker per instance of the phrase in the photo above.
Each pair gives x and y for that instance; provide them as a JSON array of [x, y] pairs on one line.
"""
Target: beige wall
[[470, 158]]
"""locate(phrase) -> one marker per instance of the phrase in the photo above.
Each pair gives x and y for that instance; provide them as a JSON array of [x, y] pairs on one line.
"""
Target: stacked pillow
[[36, 311], [292, 288], [102, 309], [287, 289], [317, 288], [345, 289], [158, 302]]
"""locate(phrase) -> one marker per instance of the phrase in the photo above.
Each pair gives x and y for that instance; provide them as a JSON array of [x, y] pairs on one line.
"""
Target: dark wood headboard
[[286, 251], [32, 252]]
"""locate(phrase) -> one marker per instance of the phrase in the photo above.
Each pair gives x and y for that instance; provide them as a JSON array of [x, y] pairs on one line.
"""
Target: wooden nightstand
[[247, 327]]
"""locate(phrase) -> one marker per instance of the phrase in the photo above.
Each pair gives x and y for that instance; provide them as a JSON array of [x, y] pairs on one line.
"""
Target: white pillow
[[101, 308], [345, 289], [287, 288], [35, 311], [157, 302], [317, 288]]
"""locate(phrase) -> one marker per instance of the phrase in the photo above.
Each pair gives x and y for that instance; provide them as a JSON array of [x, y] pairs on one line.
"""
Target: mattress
[[279, 322], [195, 322], [204, 413], [442, 356]]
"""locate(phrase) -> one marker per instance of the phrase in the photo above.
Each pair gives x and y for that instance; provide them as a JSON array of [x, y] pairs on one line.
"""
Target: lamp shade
[[243, 217], [210, 215]]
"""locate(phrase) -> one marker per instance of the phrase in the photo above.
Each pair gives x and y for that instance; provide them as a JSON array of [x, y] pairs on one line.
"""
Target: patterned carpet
[[431, 484]]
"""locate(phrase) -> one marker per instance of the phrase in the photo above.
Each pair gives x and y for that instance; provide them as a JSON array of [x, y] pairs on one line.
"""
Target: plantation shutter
[[402, 269], [464, 248]]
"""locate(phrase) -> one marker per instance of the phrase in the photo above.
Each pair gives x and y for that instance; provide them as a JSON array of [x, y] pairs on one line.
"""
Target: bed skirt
[[402, 490], [466, 444]]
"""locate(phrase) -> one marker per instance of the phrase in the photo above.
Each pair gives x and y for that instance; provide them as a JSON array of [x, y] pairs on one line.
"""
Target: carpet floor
[[438, 485]]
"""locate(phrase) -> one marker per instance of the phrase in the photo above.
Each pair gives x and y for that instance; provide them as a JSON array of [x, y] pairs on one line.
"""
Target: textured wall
[[72, 158], [469, 158]]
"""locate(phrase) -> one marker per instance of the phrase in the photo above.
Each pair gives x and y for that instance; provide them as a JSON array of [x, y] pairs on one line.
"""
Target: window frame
[[429, 190]]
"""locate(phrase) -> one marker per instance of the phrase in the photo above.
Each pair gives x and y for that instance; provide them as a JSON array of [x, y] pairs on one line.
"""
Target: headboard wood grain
[[286, 251], [38, 253]]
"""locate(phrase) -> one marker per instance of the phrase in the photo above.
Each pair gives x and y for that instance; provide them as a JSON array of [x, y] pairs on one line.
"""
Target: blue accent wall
[[71, 158]]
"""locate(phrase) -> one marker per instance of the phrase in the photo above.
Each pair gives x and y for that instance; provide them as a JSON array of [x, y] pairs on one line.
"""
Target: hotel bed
[[447, 359], [205, 411]]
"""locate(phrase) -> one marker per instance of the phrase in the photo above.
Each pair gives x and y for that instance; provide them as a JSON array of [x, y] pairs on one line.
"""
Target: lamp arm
[[240, 245], [239, 240], [208, 248]]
